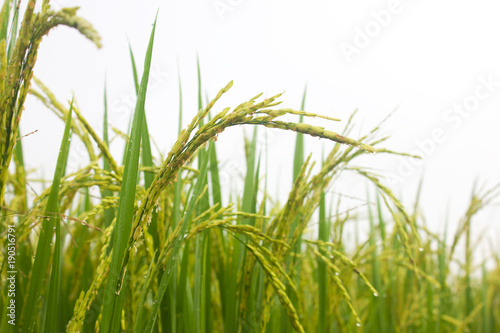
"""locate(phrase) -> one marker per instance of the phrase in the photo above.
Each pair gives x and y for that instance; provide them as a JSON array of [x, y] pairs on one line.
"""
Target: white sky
[[424, 59]]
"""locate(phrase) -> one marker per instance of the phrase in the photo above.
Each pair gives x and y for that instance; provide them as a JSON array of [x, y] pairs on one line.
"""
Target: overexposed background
[[426, 59]]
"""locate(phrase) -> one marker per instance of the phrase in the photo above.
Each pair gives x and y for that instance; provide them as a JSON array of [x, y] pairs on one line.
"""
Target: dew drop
[[421, 249], [337, 273], [358, 324], [375, 294]]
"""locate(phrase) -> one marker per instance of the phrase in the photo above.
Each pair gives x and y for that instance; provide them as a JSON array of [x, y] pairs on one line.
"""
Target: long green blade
[[43, 250], [298, 159], [127, 197], [108, 213], [13, 33], [5, 20], [147, 156]]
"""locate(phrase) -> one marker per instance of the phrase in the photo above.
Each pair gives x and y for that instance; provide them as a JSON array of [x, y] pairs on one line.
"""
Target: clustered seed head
[[16, 73]]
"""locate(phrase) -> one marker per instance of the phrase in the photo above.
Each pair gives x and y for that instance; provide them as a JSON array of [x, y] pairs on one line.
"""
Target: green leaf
[[13, 34], [298, 158], [43, 250], [140, 319], [5, 14], [147, 157], [125, 211], [109, 213]]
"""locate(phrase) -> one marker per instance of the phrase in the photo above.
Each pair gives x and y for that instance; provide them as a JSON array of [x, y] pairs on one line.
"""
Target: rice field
[[161, 250]]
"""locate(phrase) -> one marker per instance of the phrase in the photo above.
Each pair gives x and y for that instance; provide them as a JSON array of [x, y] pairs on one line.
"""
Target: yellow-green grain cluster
[[164, 247]]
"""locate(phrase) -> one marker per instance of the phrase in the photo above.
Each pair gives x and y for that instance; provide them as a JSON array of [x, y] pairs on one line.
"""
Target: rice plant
[[160, 251]]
